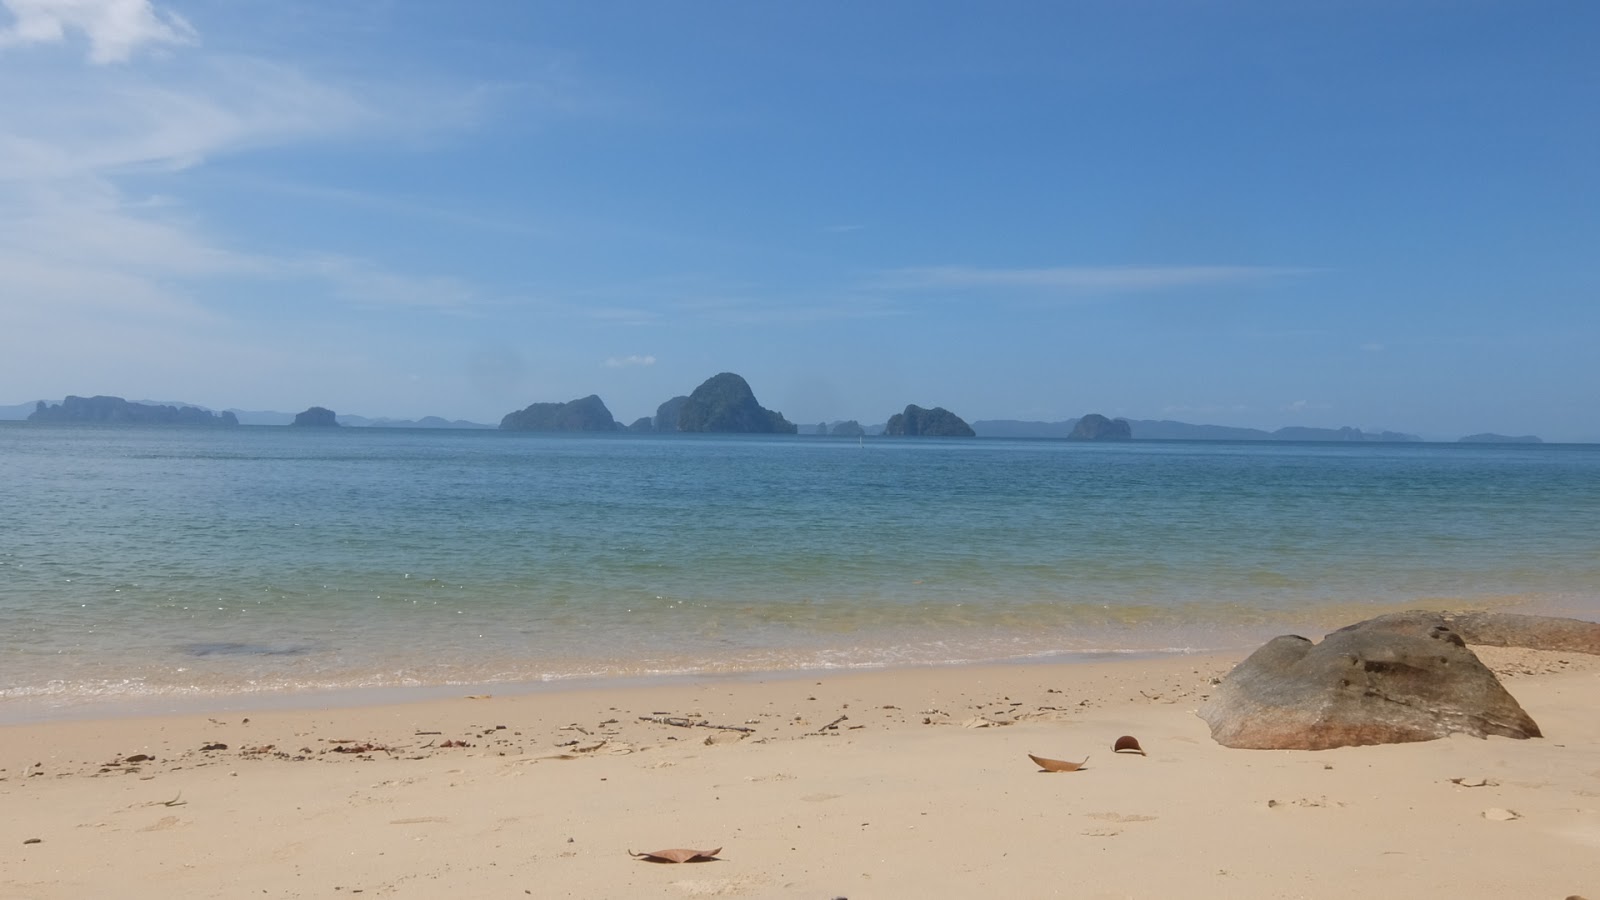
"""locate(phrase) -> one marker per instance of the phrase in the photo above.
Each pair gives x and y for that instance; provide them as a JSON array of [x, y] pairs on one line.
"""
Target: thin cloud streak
[[1116, 279], [625, 362]]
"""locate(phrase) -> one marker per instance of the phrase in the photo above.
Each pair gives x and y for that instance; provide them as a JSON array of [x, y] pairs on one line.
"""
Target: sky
[[1261, 213]]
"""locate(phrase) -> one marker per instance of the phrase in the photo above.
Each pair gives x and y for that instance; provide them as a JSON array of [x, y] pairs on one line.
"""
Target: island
[[725, 404], [117, 411], [1489, 437], [667, 413], [584, 414], [847, 428], [918, 422], [1095, 427], [316, 417]]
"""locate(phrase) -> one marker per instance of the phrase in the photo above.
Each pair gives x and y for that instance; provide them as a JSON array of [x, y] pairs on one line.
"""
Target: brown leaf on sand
[[677, 855], [1127, 742], [1475, 782], [1057, 765]]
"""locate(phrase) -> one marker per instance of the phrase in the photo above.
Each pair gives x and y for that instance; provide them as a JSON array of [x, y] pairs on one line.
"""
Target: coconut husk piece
[[1129, 743], [677, 855], [1057, 765]]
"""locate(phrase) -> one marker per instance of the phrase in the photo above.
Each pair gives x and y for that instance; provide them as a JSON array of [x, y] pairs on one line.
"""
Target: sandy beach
[[891, 784]]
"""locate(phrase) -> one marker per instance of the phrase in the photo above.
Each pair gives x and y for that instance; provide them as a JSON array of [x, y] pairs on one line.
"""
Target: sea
[[163, 568]]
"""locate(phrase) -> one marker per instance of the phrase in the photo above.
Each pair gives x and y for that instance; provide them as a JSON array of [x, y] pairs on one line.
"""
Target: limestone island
[[117, 411], [584, 414], [666, 418], [725, 404], [1095, 427], [316, 417], [918, 422]]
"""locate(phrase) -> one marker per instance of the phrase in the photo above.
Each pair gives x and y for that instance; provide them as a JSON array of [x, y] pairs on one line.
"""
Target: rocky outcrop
[[117, 411], [1376, 682], [316, 417], [847, 428], [584, 414], [667, 413], [1095, 427], [918, 422], [1496, 629], [725, 404]]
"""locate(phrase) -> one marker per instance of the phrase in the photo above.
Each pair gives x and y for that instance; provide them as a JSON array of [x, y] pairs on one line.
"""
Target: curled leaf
[[1057, 765], [1127, 742], [677, 855]]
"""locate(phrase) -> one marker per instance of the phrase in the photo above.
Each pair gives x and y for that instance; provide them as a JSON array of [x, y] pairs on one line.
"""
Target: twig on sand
[[831, 725], [685, 722]]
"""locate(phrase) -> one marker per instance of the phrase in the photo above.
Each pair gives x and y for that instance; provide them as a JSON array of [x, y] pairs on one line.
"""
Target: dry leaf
[[1475, 782], [677, 855], [1497, 814], [1057, 765], [1127, 742]]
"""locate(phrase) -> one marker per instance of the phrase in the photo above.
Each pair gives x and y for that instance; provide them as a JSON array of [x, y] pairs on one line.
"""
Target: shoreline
[[31, 711], [886, 783]]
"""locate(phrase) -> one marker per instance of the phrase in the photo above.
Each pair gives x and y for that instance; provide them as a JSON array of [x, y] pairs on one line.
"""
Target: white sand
[[903, 798]]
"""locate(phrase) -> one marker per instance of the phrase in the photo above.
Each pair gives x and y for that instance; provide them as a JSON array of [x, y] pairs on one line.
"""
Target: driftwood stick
[[725, 727], [686, 722], [831, 725], [676, 721]]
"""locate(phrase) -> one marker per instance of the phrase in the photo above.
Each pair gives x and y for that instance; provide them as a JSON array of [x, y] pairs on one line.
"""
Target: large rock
[[1494, 629], [1377, 682]]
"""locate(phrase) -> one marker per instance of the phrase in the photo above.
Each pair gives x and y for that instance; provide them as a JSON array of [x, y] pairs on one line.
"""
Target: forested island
[[117, 411]]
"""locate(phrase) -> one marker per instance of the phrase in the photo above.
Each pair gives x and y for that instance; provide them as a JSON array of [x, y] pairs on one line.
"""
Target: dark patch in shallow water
[[234, 648]]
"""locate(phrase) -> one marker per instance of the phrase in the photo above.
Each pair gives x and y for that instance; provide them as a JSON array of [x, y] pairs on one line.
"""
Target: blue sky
[[1379, 214]]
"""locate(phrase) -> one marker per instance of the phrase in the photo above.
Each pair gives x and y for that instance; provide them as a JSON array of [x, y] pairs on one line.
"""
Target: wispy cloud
[[363, 283], [115, 28], [625, 362], [1111, 279], [1300, 406]]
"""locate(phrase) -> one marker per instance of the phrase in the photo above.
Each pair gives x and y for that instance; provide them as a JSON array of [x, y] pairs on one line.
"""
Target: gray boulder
[[1494, 629], [1377, 682]]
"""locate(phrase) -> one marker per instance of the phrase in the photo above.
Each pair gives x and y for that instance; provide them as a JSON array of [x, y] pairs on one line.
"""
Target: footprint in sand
[[162, 824]]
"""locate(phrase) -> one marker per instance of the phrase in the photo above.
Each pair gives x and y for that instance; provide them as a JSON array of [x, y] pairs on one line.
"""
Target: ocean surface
[[146, 566]]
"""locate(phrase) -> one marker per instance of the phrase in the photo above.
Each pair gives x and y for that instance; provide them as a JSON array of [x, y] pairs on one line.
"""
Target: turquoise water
[[181, 562]]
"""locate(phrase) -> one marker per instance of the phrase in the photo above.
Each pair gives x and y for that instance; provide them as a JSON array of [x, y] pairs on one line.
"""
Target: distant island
[[918, 422], [316, 417], [1489, 437], [117, 411], [725, 404], [584, 414], [1095, 427]]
